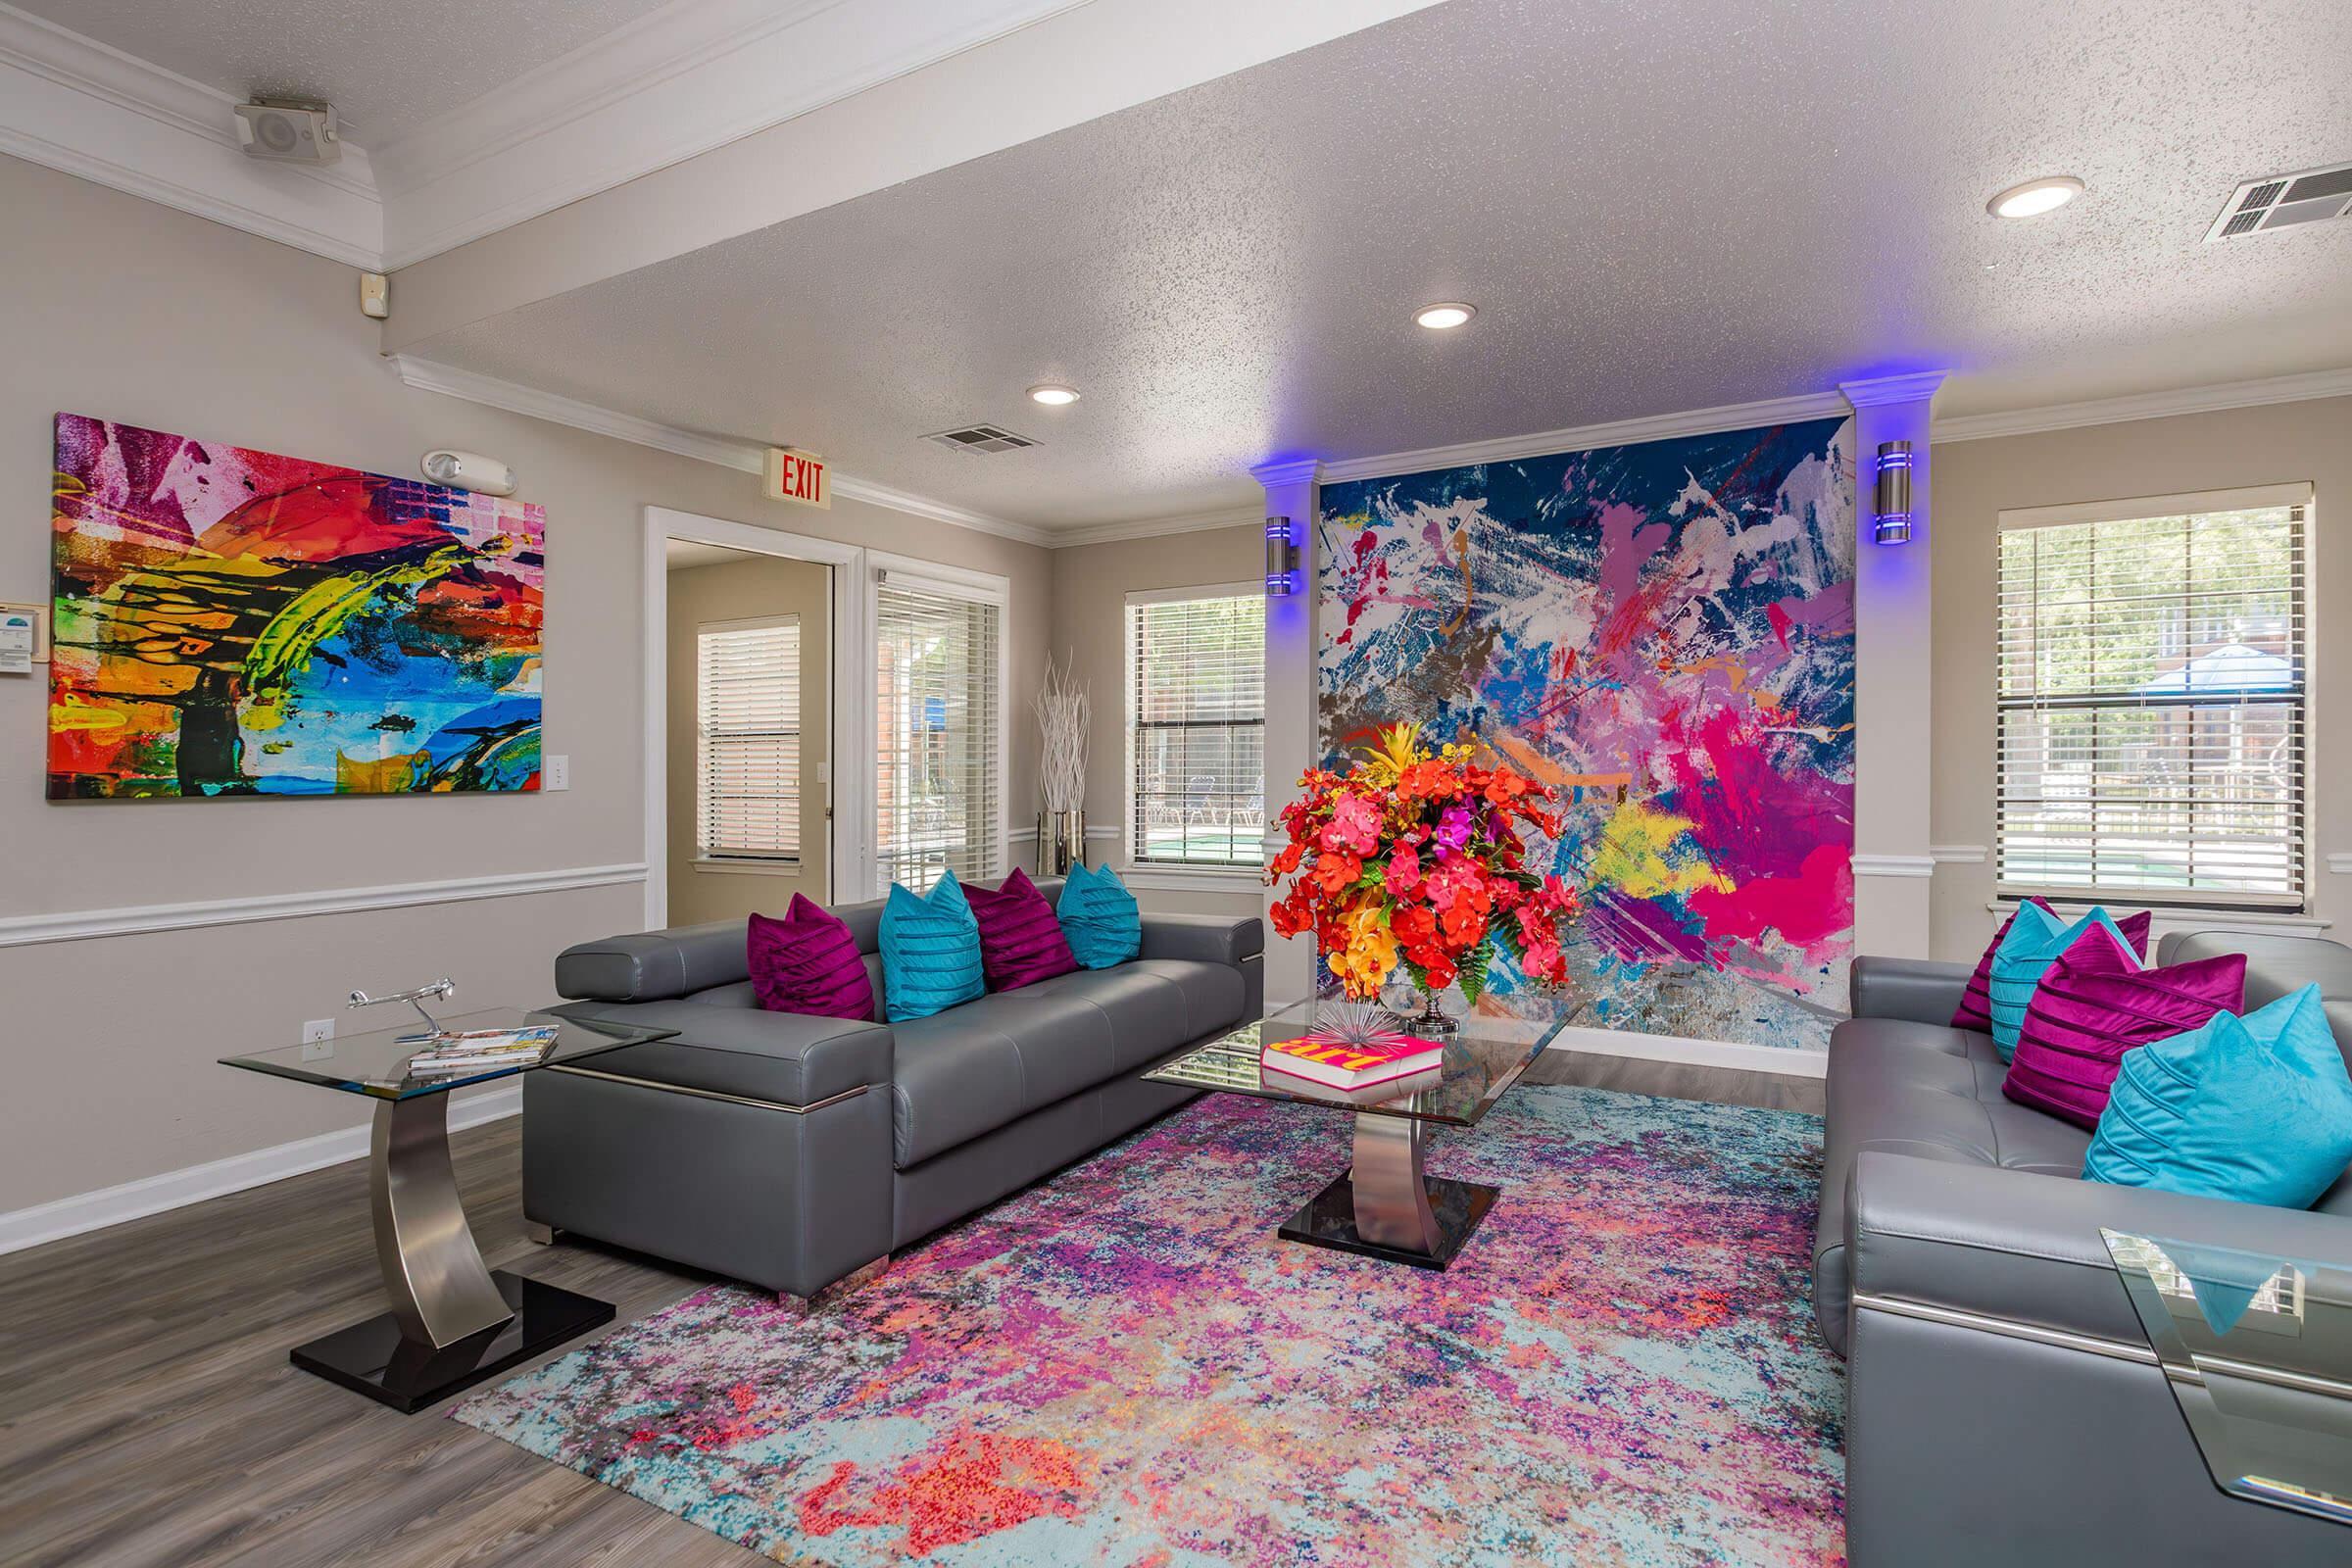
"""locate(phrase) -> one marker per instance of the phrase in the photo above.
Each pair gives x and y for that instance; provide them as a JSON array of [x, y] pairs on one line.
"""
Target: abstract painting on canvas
[[235, 623], [1665, 632]]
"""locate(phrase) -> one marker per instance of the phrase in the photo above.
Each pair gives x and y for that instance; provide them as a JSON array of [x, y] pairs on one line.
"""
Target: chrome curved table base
[[440, 1287], [1387, 1206]]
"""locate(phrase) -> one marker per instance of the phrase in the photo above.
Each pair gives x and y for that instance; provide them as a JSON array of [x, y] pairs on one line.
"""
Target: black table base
[[1329, 1220], [373, 1357]]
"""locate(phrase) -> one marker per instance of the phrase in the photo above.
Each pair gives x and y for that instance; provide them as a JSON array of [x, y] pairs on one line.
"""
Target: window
[[1197, 727], [939, 729], [2151, 701], [746, 681]]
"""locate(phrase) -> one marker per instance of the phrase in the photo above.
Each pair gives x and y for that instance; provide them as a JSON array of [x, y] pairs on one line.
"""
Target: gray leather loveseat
[[2003, 1406], [790, 1151]]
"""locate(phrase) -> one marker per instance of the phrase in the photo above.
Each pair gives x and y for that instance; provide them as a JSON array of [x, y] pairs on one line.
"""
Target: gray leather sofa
[[790, 1151], [2003, 1406]]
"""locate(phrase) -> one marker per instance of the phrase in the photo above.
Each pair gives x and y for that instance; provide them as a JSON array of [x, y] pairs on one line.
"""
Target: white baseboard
[[176, 1189], [1787, 1061]]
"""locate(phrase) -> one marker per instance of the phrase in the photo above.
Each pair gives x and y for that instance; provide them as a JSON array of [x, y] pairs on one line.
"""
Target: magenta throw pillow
[[1976, 1006], [809, 963], [2093, 1005], [1020, 939]]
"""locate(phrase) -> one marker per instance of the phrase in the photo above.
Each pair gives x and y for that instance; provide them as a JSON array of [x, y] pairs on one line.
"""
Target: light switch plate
[[556, 774]]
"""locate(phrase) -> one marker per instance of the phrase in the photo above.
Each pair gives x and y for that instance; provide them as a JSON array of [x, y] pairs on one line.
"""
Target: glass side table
[[454, 1320], [1385, 1204], [2258, 1351]]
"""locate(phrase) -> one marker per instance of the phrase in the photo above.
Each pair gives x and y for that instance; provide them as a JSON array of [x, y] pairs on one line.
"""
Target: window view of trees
[[2151, 697], [1197, 730]]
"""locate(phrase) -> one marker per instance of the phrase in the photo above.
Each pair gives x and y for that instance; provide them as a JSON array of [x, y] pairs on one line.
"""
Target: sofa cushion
[[972, 1068], [784, 1058], [1931, 1093], [1153, 1006]]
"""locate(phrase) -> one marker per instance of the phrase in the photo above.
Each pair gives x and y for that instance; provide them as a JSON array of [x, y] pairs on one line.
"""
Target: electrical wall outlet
[[317, 1036], [554, 774]]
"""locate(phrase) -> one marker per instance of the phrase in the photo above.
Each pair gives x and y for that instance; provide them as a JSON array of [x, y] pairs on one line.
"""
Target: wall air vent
[[2284, 200], [981, 438]]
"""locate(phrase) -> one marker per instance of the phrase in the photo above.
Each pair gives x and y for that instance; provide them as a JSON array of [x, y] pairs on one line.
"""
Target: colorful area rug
[[1125, 1366]]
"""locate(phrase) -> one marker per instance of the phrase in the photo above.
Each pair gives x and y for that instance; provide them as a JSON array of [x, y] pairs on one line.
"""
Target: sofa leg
[[541, 1235], [834, 1291]]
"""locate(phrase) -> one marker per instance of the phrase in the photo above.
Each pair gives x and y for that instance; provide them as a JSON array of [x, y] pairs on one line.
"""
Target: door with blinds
[[748, 740], [939, 765]]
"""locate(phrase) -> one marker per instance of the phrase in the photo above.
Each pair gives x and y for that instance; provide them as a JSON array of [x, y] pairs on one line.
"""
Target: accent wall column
[[1293, 733], [1893, 676]]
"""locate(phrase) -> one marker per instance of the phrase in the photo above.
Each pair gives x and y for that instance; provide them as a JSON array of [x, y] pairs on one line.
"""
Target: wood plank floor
[[148, 1415]]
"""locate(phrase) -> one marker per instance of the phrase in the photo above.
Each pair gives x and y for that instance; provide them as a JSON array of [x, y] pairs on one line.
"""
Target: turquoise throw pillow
[[2257, 1108], [2035, 938], [930, 950], [1100, 917]]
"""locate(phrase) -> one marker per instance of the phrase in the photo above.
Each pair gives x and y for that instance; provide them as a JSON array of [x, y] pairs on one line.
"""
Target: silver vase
[[1061, 842]]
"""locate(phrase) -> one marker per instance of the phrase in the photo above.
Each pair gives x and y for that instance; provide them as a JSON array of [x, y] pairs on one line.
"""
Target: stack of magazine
[[481, 1051]]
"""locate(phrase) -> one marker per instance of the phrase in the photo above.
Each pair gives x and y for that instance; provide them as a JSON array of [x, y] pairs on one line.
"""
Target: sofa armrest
[[1205, 937], [1914, 990], [2024, 1248], [785, 1059]]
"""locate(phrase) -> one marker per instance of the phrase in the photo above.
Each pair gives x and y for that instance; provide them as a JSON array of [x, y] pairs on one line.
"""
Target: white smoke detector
[[289, 131]]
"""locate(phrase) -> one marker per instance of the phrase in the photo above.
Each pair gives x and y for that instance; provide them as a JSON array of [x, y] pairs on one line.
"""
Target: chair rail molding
[[1894, 865], [76, 925]]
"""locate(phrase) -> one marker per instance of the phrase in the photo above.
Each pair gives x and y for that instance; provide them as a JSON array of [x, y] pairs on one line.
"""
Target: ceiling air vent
[[981, 438], [2283, 201]]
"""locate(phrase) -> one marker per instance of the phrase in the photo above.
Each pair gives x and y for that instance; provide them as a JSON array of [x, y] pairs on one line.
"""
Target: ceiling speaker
[[288, 130]]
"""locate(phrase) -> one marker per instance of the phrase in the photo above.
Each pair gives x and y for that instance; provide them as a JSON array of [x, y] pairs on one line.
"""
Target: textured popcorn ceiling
[[1656, 208], [387, 66]]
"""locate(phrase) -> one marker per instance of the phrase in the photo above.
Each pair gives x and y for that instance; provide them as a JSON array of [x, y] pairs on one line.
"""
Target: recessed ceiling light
[[1052, 394], [2035, 197], [1445, 315]]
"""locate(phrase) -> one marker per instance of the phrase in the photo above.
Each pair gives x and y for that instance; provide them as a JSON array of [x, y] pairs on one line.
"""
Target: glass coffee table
[[1384, 1205], [453, 1321], [2258, 1351]]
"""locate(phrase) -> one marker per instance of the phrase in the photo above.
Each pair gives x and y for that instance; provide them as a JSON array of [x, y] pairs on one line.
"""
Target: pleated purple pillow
[[1976, 1004], [1020, 939], [809, 963], [2093, 1005]]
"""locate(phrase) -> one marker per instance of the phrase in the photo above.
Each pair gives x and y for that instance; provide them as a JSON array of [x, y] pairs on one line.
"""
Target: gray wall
[[127, 309], [1975, 481]]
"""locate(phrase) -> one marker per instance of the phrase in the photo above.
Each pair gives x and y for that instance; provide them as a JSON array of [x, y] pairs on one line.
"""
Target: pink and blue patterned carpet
[[1125, 1366]]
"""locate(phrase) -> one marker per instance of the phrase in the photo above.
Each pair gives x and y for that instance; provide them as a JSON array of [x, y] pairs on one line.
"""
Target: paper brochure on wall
[[233, 623], [1665, 632]]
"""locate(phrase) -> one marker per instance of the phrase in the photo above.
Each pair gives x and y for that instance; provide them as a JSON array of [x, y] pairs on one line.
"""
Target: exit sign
[[800, 477]]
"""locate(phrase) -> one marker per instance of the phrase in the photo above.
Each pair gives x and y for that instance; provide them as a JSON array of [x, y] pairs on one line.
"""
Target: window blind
[[748, 714], [2151, 735], [939, 790], [1197, 731]]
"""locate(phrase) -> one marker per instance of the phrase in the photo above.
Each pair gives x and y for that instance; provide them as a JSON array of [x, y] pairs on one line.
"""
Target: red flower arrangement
[[1412, 858]]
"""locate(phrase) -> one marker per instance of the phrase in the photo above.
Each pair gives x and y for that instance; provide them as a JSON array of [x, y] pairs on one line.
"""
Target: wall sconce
[[1892, 524], [1282, 558]]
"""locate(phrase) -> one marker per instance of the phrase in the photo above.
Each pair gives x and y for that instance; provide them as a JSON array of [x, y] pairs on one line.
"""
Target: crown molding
[[679, 82], [1291, 470], [2148, 406], [72, 103], [724, 451], [1618, 432], [1102, 533], [1875, 391]]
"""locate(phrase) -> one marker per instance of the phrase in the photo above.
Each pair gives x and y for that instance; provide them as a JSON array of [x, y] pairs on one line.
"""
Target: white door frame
[[851, 789]]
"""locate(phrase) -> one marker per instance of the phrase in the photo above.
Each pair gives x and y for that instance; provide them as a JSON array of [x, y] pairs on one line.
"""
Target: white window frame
[[980, 587], [706, 858], [1166, 874], [2254, 905]]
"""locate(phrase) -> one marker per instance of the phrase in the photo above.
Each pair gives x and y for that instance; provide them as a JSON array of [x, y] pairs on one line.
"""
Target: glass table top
[[2258, 1351], [379, 1063], [1482, 1060]]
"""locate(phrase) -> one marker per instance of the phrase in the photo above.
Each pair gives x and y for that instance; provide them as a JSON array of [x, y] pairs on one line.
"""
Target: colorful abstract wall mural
[[235, 623], [1665, 632]]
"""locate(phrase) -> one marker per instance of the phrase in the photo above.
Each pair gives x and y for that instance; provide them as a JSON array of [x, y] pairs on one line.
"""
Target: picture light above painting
[[232, 622]]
